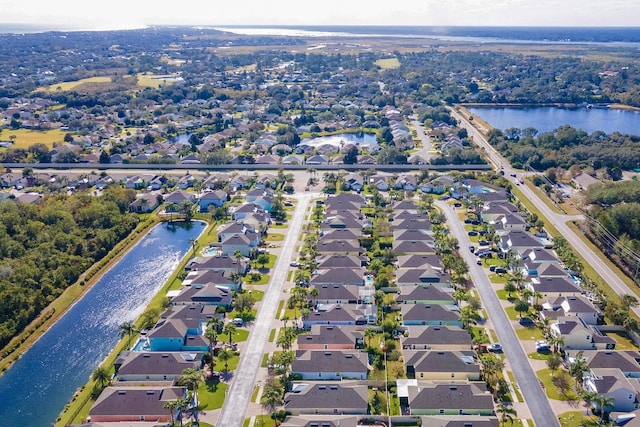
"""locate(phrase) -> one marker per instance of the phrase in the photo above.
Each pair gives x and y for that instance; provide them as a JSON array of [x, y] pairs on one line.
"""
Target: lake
[[35, 389], [362, 140], [546, 119]]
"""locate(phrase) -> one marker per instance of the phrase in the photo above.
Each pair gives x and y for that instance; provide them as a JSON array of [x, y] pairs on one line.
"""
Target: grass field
[[24, 138], [67, 86], [388, 63]]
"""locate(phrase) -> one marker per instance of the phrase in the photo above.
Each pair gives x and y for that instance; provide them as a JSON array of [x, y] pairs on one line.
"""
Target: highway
[[239, 395], [535, 398], [559, 221]]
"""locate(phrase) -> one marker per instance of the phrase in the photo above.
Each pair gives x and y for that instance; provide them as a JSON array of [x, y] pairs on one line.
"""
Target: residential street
[[539, 406], [239, 394], [557, 220]]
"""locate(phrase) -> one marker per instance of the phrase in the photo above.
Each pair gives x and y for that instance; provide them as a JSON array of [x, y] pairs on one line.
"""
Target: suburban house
[[553, 287], [611, 382], [332, 337], [433, 314], [208, 294], [227, 263], [421, 294], [335, 294], [577, 335], [342, 276], [131, 404], [449, 338], [154, 366], [330, 365], [422, 277], [628, 361], [328, 399], [436, 398], [177, 335], [341, 314], [215, 198], [440, 365], [577, 305]]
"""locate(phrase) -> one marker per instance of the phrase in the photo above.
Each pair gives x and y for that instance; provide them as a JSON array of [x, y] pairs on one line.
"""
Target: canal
[[35, 389]]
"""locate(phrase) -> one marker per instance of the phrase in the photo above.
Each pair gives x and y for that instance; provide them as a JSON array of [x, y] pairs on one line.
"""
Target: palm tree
[[127, 329], [271, 397], [224, 355], [229, 329], [368, 334], [101, 376], [604, 403], [578, 368], [191, 378], [172, 406], [506, 413], [588, 397], [556, 341], [211, 333]]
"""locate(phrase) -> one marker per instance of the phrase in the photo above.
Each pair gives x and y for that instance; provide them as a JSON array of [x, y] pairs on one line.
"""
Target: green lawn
[[623, 342], [533, 333], [539, 355], [551, 390], [577, 419], [264, 279], [232, 364], [503, 295], [211, 395], [275, 237]]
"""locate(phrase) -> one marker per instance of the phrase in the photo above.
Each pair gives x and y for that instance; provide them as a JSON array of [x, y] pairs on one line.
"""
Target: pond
[[35, 389], [546, 119]]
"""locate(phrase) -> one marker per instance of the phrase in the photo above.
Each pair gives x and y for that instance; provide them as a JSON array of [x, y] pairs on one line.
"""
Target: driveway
[[535, 398], [239, 394]]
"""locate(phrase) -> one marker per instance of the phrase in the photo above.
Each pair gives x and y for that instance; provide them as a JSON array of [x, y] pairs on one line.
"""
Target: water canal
[[35, 389]]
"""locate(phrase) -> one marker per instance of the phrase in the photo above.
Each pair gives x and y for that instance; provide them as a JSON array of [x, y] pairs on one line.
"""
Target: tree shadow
[[226, 376]]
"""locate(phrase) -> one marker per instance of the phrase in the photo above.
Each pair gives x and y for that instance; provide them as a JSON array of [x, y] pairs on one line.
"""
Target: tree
[[171, 406], [507, 412], [351, 156], [262, 259], [578, 367], [101, 376], [243, 302], [521, 306], [229, 329], [191, 378], [224, 355], [510, 288], [368, 334], [271, 396], [553, 362], [127, 329], [556, 341], [211, 333], [604, 404]]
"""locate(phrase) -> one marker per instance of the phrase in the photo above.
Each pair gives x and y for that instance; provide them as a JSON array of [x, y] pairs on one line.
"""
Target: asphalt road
[[239, 394], [550, 217], [534, 396], [424, 139]]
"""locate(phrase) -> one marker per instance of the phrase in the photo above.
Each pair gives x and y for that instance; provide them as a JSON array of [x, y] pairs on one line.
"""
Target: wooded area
[[45, 247]]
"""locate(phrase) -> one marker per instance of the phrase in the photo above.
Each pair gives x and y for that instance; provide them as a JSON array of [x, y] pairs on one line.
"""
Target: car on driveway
[[495, 348], [542, 346], [294, 264], [526, 321]]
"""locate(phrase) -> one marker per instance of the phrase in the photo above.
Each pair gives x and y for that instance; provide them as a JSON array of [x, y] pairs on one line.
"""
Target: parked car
[[500, 270], [237, 321], [472, 249], [478, 261], [472, 233], [526, 321], [294, 264], [496, 348], [542, 346], [492, 268]]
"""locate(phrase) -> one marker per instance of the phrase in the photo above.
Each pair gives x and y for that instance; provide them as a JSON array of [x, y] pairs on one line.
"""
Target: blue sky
[[115, 14]]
